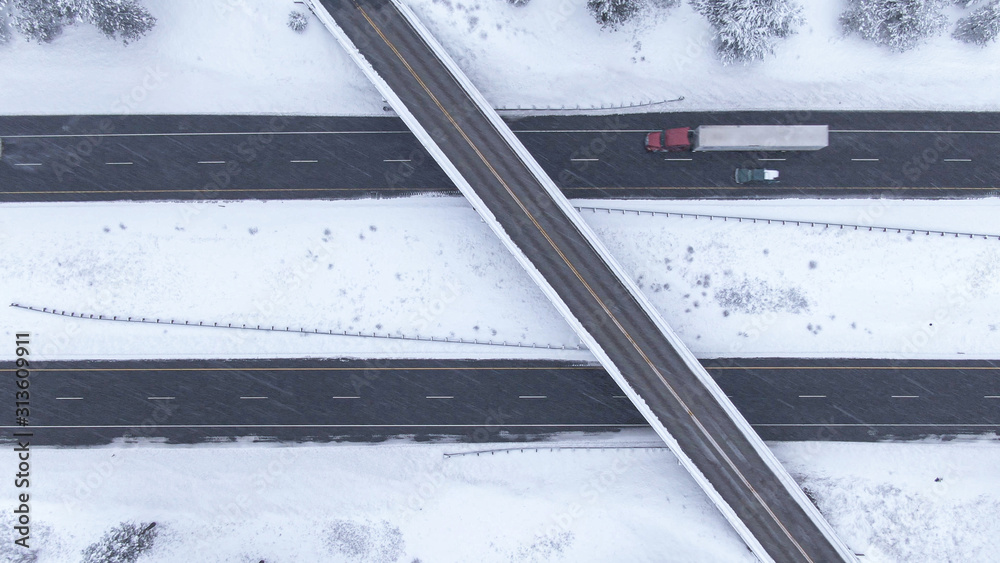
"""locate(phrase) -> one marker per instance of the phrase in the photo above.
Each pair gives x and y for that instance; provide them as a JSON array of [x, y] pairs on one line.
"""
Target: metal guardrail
[[788, 222], [300, 330], [552, 448], [603, 106]]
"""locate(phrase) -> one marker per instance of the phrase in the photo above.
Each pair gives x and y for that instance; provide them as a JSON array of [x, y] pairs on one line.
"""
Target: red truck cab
[[669, 140]]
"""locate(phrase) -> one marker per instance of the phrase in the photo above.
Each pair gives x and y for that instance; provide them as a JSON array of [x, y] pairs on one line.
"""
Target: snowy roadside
[[551, 54], [427, 266], [238, 56], [919, 502]]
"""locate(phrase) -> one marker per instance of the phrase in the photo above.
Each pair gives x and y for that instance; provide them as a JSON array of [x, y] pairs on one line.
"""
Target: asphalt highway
[[186, 401], [94, 158], [723, 452]]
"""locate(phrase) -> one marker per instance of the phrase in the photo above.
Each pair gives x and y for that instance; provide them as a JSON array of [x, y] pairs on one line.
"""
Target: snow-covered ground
[[238, 56], [406, 502], [428, 266]]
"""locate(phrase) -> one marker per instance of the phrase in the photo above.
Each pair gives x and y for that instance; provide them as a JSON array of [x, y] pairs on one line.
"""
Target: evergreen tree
[[41, 20], [122, 544], [611, 14], [118, 19], [297, 21], [4, 21], [981, 26], [897, 24], [747, 30]]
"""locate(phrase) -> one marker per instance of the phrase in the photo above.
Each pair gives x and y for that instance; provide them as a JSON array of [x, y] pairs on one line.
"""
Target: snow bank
[[218, 56], [905, 502], [403, 502], [418, 267], [238, 56], [554, 54], [429, 266]]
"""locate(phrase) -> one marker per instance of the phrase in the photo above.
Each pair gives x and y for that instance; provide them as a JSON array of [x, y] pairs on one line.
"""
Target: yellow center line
[[577, 274], [512, 368], [449, 188], [913, 368], [465, 368], [220, 190]]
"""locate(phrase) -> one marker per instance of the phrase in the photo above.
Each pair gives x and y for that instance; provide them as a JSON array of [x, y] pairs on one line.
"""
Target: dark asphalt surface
[[83, 158], [704, 431], [187, 401]]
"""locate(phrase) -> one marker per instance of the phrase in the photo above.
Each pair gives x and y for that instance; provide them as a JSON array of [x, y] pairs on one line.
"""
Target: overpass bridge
[[526, 210]]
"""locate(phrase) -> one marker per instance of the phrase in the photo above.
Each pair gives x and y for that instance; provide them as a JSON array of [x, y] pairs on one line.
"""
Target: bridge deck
[[535, 221]]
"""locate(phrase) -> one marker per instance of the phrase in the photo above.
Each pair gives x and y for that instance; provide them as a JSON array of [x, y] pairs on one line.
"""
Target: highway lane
[[186, 401], [68, 158], [658, 374]]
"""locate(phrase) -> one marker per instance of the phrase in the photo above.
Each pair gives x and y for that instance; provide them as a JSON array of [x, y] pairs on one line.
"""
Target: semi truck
[[739, 138]]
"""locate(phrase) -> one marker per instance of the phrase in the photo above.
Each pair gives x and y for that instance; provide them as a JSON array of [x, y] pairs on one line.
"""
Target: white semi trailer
[[740, 138]]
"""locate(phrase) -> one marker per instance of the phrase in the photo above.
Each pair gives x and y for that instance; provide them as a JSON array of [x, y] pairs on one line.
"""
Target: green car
[[756, 176]]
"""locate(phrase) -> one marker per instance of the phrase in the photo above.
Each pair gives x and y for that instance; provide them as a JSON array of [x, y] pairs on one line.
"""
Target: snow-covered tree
[[43, 20], [122, 544], [747, 30], [4, 21], [297, 21], [898, 24], [981, 26], [611, 14], [126, 20]]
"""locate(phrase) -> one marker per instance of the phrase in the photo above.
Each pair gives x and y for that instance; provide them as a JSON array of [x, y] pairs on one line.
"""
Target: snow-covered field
[[238, 56], [406, 502], [428, 266]]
